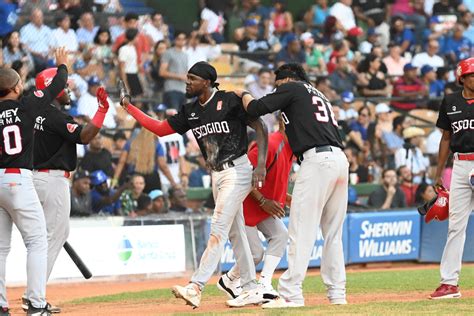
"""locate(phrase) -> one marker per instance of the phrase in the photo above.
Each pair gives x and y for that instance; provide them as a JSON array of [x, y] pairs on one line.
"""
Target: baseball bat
[[77, 260]]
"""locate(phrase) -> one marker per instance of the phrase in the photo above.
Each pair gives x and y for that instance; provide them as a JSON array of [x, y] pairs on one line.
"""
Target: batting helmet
[[98, 177], [437, 208], [44, 79], [465, 67]]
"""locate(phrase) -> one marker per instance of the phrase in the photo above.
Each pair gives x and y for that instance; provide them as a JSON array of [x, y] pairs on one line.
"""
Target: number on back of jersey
[[12, 140]]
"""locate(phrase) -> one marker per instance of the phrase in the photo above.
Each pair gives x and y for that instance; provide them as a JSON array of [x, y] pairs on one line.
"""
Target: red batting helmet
[[44, 79], [437, 208], [465, 67]]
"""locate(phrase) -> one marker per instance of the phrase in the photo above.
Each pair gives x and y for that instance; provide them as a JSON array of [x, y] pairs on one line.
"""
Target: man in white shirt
[[87, 104], [261, 86], [87, 31], [37, 38], [63, 35], [343, 12], [429, 57], [156, 29], [411, 155], [197, 51]]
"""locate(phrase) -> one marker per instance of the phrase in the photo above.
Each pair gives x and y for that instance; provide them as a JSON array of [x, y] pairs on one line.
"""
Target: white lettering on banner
[[387, 229], [373, 248]]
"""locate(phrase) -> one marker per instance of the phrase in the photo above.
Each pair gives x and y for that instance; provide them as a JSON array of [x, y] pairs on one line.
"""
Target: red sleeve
[[160, 128], [273, 143], [118, 42]]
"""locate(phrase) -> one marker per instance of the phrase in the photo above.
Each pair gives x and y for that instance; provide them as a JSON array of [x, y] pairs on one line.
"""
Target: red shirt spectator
[[409, 87]]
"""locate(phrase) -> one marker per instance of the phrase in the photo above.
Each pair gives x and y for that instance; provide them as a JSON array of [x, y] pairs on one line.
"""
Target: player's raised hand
[[102, 96], [125, 98], [61, 56], [258, 177]]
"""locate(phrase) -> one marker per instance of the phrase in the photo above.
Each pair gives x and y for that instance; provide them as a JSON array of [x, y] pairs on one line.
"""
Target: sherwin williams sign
[[384, 236]]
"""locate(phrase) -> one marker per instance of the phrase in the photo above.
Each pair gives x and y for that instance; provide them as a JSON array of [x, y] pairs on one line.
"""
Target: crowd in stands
[[384, 64]]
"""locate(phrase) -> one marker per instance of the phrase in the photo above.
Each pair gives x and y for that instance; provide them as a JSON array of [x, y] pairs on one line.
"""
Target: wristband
[[262, 201], [98, 119]]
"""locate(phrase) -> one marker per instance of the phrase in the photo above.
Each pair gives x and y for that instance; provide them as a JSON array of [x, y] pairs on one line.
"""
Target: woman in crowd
[[102, 52], [372, 81], [13, 50]]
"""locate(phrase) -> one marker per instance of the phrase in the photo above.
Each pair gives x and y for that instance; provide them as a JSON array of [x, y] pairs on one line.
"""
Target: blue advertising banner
[[384, 236], [228, 260], [434, 236]]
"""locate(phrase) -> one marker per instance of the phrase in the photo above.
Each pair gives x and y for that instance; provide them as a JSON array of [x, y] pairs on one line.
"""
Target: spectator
[[261, 87], [195, 178], [212, 23], [251, 42], [81, 201], [138, 156], [281, 20], [383, 124], [178, 202], [128, 198], [13, 50], [324, 85], [87, 104], [371, 79], [435, 87], [116, 26], [410, 88], [447, 7], [356, 171], [158, 82], [156, 29], [347, 113], [456, 46], [8, 16], [97, 157], [348, 136], [332, 29], [119, 142], [372, 40], [317, 14], [201, 48], [105, 201], [401, 35], [373, 13], [411, 155], [339, 47], [158, 202], [411, 12], [424, 193], [343, 78], [173, 68], [388, 195], [143, 207], [63, 35], [393, 140], [128, 63], [429, 57], [406, 184], [361, 125], [314, 57], [87, 31], [432, 145], [342, 11], [102, 50], [467, 22], [394, 61], [253, 10], [142, 43], [37, 39]]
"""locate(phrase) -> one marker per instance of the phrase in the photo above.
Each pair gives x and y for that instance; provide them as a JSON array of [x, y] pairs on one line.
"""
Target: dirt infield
[[61, 294]]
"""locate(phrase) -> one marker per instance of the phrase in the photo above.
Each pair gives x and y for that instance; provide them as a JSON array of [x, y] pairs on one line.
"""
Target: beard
[[190, 95]]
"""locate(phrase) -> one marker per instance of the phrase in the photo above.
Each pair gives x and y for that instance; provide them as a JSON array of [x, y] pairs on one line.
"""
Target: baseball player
[[19, 202], [218, 122], [456, 119], [56, 136], [262, 212], [321, 187]]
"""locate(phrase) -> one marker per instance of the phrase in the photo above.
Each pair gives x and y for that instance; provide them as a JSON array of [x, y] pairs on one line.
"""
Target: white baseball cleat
[[230, 287], [280, 302], [269, 292], [190, 293], [250, 297], [338, 301]]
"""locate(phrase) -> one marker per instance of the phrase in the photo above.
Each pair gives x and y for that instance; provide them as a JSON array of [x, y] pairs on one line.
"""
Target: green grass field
[[377, 283]]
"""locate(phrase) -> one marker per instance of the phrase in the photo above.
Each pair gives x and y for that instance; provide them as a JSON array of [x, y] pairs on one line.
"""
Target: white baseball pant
[[461, 204], [319, 200], [19, 204]]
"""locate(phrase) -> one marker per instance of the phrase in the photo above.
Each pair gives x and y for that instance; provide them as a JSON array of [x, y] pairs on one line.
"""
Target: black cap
[[80, 174], [131, 16]]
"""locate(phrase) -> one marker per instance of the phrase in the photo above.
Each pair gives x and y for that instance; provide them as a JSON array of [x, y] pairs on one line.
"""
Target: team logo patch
[[458, 71], [71, 127], [442, 201], [454, 108], [39, 93], [219, 105]]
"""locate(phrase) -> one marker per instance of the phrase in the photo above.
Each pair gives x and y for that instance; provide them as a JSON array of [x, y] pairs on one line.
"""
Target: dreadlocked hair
[[293, 71], [142, 152]]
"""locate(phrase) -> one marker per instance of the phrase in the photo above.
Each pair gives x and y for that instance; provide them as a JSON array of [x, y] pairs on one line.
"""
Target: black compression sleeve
[[59, 82], [257, 108]]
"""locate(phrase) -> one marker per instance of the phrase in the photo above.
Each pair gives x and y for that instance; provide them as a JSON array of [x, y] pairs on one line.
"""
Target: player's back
[[16, 134]]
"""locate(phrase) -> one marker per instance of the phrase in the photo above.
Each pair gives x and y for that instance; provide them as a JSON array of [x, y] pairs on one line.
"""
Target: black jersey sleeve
[[179, 121], [443, 119], [65, 126], [242, 114], [272, 102]]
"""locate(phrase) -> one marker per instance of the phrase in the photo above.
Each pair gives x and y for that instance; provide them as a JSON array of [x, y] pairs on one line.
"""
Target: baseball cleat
[[338, 301], [230, 287], [445, 291], [250, 297], [4, 311], [189, 293], [35, 311], [51, 308], [280, 302], [269, 293]]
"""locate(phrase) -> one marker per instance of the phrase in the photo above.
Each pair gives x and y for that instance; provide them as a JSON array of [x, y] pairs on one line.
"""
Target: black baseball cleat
[[52, 309], [35, 311], [4, 311]]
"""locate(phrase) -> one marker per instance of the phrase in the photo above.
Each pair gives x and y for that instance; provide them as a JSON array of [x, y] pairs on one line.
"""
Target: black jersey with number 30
[[220, 127], [307, 114], [456, 114], [17, 119]]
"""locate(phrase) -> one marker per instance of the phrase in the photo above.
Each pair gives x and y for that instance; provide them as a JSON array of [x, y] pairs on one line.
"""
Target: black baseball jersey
[[456, 114], [17, 119], [56, 136], [220, 127], [307, 113]]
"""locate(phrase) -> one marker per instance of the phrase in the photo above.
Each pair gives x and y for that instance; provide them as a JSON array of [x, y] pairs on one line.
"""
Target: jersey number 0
[[16, 148]]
